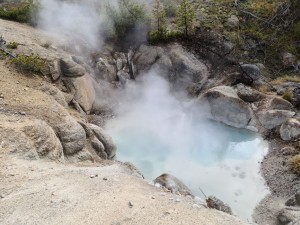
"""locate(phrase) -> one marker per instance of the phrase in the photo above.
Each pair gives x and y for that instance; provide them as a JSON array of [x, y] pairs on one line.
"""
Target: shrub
[[126, 17], [295, 164], [18, 11], [288, 95], [13, 45], [30, 64], [155, 37], [171, 7]]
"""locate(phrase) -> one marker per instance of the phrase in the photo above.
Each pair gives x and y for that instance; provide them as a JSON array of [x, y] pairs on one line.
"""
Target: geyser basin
[[158, 133]]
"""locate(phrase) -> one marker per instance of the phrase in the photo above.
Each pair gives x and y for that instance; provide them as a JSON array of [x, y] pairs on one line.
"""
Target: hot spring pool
[[159, 135]]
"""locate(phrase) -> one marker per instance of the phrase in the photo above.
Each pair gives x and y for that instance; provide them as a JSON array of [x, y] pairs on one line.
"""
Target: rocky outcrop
[[224, 105], [280, 103], [106, 69], [252, 71], [69, 68], [183, 69], [173, 184], [290, 129], [106, 141], [32, 139], [273, 118], [248, 94], [215, 203]]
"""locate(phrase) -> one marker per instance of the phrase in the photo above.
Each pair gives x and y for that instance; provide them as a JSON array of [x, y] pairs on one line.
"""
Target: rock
[[285, 217], [288, 59], [280, 103], [55, 93], [248, 94], [99, 148], [83, 91], [273, 118], [225, 106], [106, 69], [252, 71], [69, 68], [294, 200], [130, 204], [215, 203], [105, 139], [44, 139], [282, 88], [188, 69], [290, 130], [173, 184], [72, 135], [123, 77], [233, 21], [55, 70]]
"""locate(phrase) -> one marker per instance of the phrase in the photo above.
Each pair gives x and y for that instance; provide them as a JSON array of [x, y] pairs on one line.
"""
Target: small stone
[[22, 113], [1, 196], [153, 197], [163, 194], [130, 204], [104, 178], [93, 176], [178, 200]]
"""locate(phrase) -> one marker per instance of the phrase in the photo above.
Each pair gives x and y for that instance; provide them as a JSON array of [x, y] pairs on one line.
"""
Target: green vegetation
[[295, 164], [159, 15], [186, 17], [13, 45], [288, 95], [30, 64], [18, 11], [126, 17], [154, 37]]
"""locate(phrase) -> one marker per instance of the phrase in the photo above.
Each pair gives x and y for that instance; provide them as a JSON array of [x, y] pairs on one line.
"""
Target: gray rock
[[225, 106], [106, 69], [123, 77], [69, 68], [173, 184], [248, 94], [273, 118], [83, 91], [294, 200], [71, 135], [285, 217], [280, 103], [233, 21], [99, 148], [290, 129], [215, 203], [55, 93], [252, 71], [288, 59], [106, 140], [45, 140], [55, 70], [188, 69]]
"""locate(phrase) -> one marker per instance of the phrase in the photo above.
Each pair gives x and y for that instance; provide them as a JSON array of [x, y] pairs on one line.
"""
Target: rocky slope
[[53, 160]]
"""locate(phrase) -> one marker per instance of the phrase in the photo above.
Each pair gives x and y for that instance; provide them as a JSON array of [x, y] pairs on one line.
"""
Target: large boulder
[[106, 69], [225, 106], [173, 184], [82, 89], [290, 129], [31, 138], [273, 118], [179, 66], [105, 139], [69, 68], [248, 94], [280, 103], [188, 69], [252, 71]]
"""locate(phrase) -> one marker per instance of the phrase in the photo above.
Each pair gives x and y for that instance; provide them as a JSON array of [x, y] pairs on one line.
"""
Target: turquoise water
[[159, 134]]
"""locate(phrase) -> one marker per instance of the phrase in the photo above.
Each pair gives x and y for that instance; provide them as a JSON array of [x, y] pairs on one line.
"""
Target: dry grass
[[295, 164], [286, 78], [265, 89]]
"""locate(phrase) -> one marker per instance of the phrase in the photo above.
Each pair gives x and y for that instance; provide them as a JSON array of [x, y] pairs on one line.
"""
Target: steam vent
[[154, 112]]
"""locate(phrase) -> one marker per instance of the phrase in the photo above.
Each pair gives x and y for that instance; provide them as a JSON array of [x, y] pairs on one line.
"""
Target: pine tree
[[159, 14], [186, 16]]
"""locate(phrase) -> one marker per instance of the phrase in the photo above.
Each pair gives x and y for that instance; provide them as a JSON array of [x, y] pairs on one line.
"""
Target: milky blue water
[[159, 134]]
